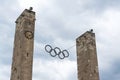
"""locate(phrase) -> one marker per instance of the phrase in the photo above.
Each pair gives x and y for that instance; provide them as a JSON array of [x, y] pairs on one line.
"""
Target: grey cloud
[[113, 73], [75, 7]]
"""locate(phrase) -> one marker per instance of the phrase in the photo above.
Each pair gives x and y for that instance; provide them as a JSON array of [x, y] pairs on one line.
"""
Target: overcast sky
[[59, 23]]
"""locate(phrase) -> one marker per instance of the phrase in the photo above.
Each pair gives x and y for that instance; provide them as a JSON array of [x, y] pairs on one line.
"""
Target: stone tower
[[87, 57], [23, 46]]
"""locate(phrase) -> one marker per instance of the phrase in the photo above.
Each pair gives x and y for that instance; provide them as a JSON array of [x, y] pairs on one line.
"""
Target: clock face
[[28, 34]]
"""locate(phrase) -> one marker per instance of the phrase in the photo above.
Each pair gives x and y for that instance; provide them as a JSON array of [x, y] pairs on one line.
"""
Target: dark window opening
[[15, 69], [18, 77], [27, 54], [94, 71]]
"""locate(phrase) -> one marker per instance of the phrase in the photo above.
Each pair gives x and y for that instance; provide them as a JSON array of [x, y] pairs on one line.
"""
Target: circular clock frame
[[28, 34]]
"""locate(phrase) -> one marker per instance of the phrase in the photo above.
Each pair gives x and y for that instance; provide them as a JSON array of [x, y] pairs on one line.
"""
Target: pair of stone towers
[[24, 44]]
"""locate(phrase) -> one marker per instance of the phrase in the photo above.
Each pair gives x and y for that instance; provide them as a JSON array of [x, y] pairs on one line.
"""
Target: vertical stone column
[[23, 46], [87, 57]]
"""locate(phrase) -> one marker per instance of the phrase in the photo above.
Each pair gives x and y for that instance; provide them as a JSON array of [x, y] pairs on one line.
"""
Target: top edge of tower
[[86, 33], [30, 10], [25, 12]]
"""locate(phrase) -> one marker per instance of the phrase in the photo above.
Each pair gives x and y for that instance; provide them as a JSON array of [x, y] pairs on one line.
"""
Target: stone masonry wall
[[23, 47], [87, 57]]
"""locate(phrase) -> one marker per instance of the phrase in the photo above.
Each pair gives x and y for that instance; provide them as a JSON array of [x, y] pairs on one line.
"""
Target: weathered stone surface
[[87, 57], [23, 47]]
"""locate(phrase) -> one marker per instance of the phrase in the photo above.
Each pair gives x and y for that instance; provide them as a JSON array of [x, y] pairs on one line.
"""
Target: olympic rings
[[56, 52]]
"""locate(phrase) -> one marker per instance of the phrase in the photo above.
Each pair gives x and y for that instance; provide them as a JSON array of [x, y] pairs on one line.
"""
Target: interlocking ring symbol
[[56, 52]]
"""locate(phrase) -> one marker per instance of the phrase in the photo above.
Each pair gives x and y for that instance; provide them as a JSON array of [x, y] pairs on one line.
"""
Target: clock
[[28, 34]]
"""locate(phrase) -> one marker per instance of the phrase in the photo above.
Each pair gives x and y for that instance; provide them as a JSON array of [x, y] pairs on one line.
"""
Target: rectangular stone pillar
[[23, 46], [87, 57]]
